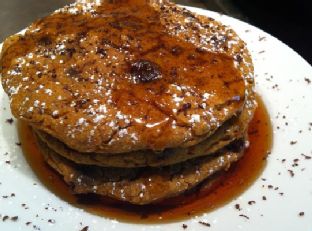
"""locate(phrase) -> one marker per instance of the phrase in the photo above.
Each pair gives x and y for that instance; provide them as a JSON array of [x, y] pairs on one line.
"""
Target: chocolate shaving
[[242, 215], [86, 228], [9, 121], [15, 218], [204, 223]]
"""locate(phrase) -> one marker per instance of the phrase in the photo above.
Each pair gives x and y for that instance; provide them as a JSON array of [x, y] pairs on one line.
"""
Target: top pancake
[[126, 76]]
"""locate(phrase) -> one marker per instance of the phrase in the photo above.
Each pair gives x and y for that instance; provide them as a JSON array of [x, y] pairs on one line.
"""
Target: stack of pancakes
[[134, 100]]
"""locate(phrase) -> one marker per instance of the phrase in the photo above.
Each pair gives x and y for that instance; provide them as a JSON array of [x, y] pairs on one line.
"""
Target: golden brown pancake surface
[[114, 78]]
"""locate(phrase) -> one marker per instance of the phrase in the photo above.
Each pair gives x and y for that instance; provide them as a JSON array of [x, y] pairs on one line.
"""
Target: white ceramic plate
[[281, 80]]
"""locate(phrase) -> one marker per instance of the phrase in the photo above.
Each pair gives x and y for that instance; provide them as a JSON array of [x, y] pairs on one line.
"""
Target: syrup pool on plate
[[206, 197]]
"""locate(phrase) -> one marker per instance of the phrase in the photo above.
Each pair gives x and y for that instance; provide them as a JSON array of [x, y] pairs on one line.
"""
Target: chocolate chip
[[186, 106], [145, 71], [200, 50], [116, 25], [239, 58], [70, 52], [176, 50], [45, 41], [81, 103], [73, 72], [102, 52], [184, 226], [174, 72]]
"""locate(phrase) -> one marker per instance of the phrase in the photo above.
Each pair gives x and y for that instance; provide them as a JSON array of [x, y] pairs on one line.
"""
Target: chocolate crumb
[[18, 143], [184, 226], [270, 186], [282, 194], [261, 38], [52, 221], [15, 218], [251, 202], [291, 172], [264, 198], [242, 215], [307, 80], [204, 223], [301, 214], [9, 121], [237, 206], [28, 223], [86, 228], [5, 218], [8, 162], [293, 142], [306, 157], [36, 227]]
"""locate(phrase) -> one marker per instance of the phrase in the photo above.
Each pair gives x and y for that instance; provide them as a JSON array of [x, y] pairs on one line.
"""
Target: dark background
[[289, 21]]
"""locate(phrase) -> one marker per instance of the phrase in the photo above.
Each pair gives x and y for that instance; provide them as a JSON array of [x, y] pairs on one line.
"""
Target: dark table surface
[[289, 22]]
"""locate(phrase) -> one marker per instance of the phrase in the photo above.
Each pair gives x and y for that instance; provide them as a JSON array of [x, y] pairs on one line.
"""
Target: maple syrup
[[224, 188]]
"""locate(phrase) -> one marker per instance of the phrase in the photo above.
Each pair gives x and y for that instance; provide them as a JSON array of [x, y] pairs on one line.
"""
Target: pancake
[[232, 130], [141, 185], [126, 76]]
